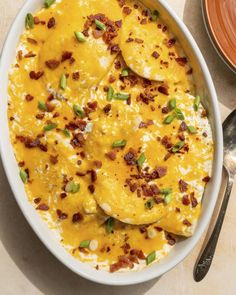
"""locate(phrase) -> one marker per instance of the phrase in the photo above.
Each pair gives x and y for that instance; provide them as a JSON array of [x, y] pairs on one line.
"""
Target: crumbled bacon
[[166, 141], [155, 54], [77, 217], [183, 127], [183, 186], [130, 157], [129, 40], [76, 76], [206, 179], [43, 207], [36, 20], [91, 188], [146, 124], [35, 75], [78, 140], [163, 89], [170, 43], [66, 55], [78, 124], [138, 253], [54, 159], [112, 79], [29, 97], [61, 215], [97, 34], [165, 110], [107, 108], [185, 200], [127, 10], [93, 105], [29, 55], [139, 41], [37, 200], [31, 143], [182, 61], [126, 247], [118, 23], [98, 164], [143, 21], [51, 23], [111, 155], [187, 223], [50, 107], [93, 175], [123, 262], [32, 41], [171, 241], [194, 201], [115, 49], [159, 172]]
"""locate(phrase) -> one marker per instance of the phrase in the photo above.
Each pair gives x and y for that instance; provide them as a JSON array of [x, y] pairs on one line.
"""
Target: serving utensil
[[229, 133]]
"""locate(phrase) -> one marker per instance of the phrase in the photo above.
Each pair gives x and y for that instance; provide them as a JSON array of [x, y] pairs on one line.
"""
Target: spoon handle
[[204, 262]]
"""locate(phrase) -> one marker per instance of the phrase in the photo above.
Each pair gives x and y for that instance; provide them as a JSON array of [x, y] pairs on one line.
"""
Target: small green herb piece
[[121, 96], [80, 37], [141, 160], [110, 225], [166, 191], [48, 3], [101, 26], [29, 21], [110, 93], [179, 114], [154, 15], [84, 244], [49, 127], [167, 199], [63, 82], [196, 103], [42, 106], [192, 130], [119, 143], [72, 187], [169, 119], [172, 104], [78, 111], [151, 257], [23, 176], [177, 147], [66, 132], [125, 73], [149, 204]]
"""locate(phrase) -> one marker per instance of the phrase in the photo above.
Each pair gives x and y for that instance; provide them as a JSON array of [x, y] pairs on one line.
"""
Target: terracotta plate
[[220, 19]]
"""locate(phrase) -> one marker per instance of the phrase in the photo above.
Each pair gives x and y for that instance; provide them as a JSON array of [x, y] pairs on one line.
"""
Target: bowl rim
[[142, 276]]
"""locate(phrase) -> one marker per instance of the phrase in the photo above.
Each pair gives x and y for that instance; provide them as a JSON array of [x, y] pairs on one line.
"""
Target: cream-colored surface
[[28, 268]]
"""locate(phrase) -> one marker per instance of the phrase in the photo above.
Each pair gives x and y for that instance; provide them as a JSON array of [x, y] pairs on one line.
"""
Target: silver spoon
[[205, 259]]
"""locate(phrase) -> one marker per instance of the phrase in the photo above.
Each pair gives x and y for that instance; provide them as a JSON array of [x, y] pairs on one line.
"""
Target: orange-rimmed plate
[[220, 19]]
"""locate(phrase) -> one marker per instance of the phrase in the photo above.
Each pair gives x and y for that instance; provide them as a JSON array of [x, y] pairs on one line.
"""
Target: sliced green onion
[[169, 119], [119, 143], [141, 160], [78, 111], [49, 127], [196, 103], [48, 3], [110, 225], [179, 114], [110, 93], [84, 244], [80, 37], [101, 26], [42, 106], [66, 132], [192, 130], [177, 147], [149, 204], [166, 191], [121, 96], [172, 104], [125, 73], [167, 199], [154, 15], [151, 257], [72, 187], [23, 176], [63, 82], [29, 21]]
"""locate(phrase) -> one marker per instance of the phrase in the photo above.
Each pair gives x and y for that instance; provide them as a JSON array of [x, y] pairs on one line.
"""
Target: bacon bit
[[171, 241], [155, 54], [182, 61], [143, 21], [146, 124], [112, 79], [126, 247], [93, 175], [183, 186], [187, 223], [204, 134], [66, 55], [121, 3], [93, 105], [50, 107], [143, 229], [147, 191], [76, 76], [118, 23], [54, 159], [78, 124], [111, 155], [91, 188], [127, 10], [177, 210], [78, 140], [133, 259], [63, 195], [36, 20], [61, 215], [206, 179], [51, 23], [130, 157], [194, 201], [183, 127], [30, 54], [139, 193], [97, 34], [42, 207], [123, 262], [107, 108], [37, 200], [20, 55], [155, 189], [158, 228], [29, 97], [52, 64], [72, 60], [40, 116], [115, 49], [159, 172], [164, 29], [165, 110], [170, 43], [80, 174], [129, 40], [77, 217], [32, 41], [181, 136], [166, 141], [139, 41], [185, 200], [167, 156], [204, 113], [163, 89], [189, 72], [31, 143], [138, 253], [117, 65], [159, 200], [98, 164], [35, 75], [56, 115]]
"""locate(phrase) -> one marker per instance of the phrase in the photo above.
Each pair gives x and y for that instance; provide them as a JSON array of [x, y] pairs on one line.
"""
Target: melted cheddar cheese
[[113, 145]]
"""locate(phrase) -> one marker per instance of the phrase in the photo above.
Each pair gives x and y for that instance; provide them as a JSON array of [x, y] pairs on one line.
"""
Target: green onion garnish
[[110, 225], [172, 104], [42, 106], [121, 96], [177, 147], [66, 132], [48, 3], [72, 187], [80, 37], [125, 73], [192, 130], [141, 160], [49, 127], [84, 244], [149, 204], [179, 114], [29, 21], [169, 119], [23, 176], [63, 82], [101, 26], [78, 111], [110, 93], [154, 15], [151, 257], [166, 191], [167, 199], [196, 103], [119, 143]]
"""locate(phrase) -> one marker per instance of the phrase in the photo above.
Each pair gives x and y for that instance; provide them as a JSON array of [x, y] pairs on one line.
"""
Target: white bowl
[[205, 88]]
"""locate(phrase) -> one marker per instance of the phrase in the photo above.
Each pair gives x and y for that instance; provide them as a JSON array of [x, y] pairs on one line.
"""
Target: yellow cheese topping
[[113, 144]]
